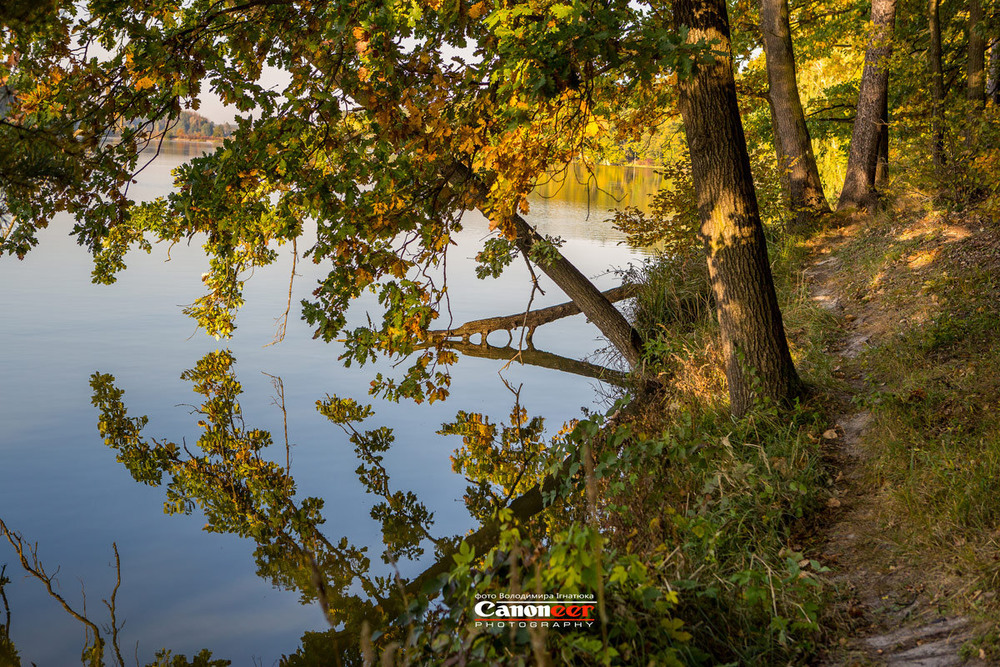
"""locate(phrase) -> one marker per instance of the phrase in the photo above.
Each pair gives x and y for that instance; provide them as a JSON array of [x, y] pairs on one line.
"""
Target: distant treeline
[[191, 125], [195, 126]]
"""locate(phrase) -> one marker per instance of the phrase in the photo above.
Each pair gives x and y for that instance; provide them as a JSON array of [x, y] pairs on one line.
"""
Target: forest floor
[[911, 529]]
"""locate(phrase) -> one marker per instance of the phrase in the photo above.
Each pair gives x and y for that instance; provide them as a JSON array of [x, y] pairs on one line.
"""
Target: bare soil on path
[[886, 611]]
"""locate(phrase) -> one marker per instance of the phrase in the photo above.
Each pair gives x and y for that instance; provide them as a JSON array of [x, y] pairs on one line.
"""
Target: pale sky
[[213, 109]]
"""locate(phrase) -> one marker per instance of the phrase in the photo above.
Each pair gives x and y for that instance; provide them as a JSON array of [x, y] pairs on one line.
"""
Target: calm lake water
[[183, 588]]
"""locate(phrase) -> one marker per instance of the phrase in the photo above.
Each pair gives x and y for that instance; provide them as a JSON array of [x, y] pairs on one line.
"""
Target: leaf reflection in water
[[228, 476], [241, 492]]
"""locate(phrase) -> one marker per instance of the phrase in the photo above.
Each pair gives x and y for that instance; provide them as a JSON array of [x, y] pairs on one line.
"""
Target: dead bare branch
[[530, 320], [282, 320], [28, 556]]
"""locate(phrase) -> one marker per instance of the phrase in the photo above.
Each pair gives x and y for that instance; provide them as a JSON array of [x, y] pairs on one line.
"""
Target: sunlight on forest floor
[[915, 538]]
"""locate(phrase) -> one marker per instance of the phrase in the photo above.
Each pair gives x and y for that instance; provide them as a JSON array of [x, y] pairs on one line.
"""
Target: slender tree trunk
[[882, 158], [530, 320], [805, 190], [592, 302], [937, 83], [992, 82], [859, 183], [993, 79], [975, 74], [584, 294], [532, 357], [753, 336], [780, 159]]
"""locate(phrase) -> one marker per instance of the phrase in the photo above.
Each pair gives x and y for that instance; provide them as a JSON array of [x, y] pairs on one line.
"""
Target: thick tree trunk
[[862, 161], [805, 190], [753, 336], [975, 67], [937, 83]]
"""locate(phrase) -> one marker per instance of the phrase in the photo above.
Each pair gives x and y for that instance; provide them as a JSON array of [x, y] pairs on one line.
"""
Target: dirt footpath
[[887, 612]]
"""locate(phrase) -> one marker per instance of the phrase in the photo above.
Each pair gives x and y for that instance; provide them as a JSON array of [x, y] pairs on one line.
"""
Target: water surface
[[183, 588]]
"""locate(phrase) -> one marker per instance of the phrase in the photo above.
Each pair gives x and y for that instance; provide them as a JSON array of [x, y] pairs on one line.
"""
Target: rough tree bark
[[975, 66], [591, 301], [937, 83], [882, 158], [993, 80], [862, 161], [756, 353], [805, 190]]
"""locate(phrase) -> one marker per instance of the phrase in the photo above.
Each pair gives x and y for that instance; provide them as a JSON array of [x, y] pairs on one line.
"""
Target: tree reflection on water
[[231, 476]]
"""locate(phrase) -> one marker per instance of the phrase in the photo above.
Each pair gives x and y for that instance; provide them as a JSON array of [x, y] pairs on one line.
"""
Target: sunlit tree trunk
[[591, 301], [993, 80], [937, 83], [975, 75], [805, 190], [753, 336], [859, 182], [780, 158]]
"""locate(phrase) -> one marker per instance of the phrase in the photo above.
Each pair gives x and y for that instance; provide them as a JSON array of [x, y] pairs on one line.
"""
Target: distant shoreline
[[186, 140], [200, 140]]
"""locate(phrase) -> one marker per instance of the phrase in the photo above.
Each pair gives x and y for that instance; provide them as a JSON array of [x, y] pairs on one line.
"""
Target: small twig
[[3, 596], [535, 287], [282, 320], [112, 606], [279, 401], [830, 108]]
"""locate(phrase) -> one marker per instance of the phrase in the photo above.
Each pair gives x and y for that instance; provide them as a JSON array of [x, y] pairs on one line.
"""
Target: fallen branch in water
[[530, 320], [529, 355]]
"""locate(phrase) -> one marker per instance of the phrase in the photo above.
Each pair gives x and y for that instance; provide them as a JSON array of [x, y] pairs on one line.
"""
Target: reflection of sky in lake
[[183, 588]]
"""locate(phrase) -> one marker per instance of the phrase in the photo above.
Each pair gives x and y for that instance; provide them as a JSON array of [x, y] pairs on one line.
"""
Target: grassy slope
[[707, 537], [919, 289], [732, 501]]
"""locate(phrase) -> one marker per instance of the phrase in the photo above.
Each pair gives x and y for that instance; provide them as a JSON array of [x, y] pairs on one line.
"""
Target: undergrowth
[[691, 528], [683, 523]]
